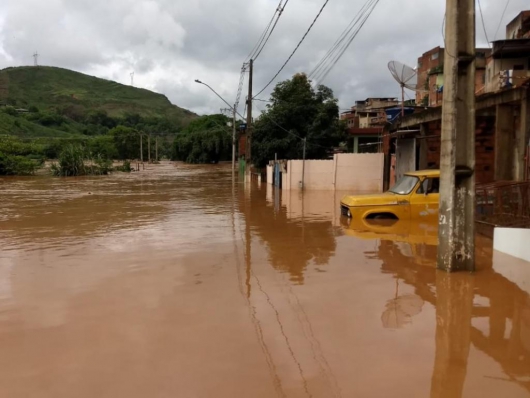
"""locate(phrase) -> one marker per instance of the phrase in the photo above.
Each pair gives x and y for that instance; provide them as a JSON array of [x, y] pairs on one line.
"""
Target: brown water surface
[[175, 282]]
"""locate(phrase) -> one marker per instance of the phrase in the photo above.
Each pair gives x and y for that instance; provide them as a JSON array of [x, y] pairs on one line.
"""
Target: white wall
[[354, 172], [513, 241]]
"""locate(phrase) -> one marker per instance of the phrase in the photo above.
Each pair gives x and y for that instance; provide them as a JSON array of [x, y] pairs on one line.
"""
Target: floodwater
[[174, 282]]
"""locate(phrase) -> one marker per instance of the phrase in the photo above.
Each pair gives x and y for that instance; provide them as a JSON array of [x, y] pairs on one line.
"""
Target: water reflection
[[464, 303], [296, 233]]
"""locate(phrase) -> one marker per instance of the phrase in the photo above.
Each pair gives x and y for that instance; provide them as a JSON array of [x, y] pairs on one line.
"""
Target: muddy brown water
[[175, 282]]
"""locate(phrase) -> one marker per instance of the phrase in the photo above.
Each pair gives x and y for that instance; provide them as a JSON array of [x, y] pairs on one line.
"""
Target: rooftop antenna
[[36, 59], [406, 76], [132, 79]]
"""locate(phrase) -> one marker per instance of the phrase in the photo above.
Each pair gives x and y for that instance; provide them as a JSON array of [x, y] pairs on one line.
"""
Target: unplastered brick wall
[[484, 147]]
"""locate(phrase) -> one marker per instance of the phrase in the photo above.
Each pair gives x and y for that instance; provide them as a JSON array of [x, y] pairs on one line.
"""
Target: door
[[405, 156], [424, 202]]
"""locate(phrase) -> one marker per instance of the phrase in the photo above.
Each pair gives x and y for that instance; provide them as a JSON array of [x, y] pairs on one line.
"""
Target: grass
[[50, 88]]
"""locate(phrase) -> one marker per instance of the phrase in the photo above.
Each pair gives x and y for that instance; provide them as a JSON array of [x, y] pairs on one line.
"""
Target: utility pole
[[303, 164], [141, 149], [149, 148], [132, 79], [249, 115], [233, 141], [456, 250], [156, 148], [36, 59]]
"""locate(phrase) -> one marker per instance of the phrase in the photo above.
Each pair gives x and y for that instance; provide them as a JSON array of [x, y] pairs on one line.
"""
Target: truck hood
[[387, 198]]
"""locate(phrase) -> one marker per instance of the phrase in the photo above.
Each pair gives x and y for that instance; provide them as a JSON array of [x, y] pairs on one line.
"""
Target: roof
[[426, 173], [514, 48]]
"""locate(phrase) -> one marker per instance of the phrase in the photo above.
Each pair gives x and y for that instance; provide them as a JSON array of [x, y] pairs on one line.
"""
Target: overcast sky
[[169, 43]]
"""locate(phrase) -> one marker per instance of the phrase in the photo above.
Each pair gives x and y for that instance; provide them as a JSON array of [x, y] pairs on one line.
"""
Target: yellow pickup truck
[[415, 196]]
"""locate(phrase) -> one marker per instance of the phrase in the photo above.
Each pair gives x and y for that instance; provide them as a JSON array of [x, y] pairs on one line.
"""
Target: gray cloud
[[169, 43]]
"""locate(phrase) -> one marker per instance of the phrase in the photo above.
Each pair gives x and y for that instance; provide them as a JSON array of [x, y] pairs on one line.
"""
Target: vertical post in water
[[233, 141], [249, 116], [149, 148], [456, 250], [156, 148], [141, 148], [303, 164]]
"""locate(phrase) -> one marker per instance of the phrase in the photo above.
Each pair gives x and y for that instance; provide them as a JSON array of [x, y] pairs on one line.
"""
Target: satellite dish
[[406, 76]]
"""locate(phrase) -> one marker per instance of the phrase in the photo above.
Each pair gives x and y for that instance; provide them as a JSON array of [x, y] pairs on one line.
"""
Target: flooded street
[[175, 282]]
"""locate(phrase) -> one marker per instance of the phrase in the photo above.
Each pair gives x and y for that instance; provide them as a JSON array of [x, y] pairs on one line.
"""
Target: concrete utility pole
[[141, 148], [149, 148], [249, 114], [456, 251], [233, 141]]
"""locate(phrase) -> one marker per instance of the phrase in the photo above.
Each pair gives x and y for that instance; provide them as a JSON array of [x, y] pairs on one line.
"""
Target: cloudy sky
[[169, 43]]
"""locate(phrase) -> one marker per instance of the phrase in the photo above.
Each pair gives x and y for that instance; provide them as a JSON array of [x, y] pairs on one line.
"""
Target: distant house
[[509, 64], [431, 75], [365, 123]]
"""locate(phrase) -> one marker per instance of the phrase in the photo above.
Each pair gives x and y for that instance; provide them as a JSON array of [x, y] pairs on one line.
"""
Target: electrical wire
[[502, 17], [339, 40], [364, 16], [294, 51], [262, 36], [280, 12], [483, 23]]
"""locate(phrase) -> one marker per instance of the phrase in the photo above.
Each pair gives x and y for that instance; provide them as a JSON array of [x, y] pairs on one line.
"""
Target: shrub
[[125, 167], [75, 160], [18, 165]]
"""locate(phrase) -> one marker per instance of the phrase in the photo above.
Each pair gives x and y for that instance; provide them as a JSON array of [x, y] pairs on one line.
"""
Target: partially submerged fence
[[503, 204]]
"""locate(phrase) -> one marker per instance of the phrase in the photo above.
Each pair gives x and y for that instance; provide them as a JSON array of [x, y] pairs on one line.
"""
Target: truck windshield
[[405, 185]]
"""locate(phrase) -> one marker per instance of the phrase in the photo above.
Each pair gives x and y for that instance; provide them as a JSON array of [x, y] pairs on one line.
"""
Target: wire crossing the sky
[[328, 62], [294, 51]]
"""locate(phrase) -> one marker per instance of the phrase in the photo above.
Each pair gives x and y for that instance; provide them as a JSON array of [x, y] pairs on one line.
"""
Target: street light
[[234, 111]]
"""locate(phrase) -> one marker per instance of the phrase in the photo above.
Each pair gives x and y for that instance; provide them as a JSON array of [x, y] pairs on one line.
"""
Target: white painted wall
[[353, 172], [513, 241], [270, 171]]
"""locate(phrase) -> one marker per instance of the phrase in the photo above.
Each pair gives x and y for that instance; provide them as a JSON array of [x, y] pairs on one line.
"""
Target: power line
[[483, 23], [280, 12], [294, 51], [339, 40], [364, 15], [502, 17], [260, 44]]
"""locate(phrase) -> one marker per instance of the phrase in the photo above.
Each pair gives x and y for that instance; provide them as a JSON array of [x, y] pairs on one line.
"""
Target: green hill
[[74, 96]]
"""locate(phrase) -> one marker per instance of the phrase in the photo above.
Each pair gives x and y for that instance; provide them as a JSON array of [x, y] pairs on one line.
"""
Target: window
[[405, 185], [435, 56], [429, 185]]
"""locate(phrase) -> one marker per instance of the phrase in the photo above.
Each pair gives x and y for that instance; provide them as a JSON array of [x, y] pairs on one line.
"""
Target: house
[[431, 79], [365, 123], [509, 64], [502, 133]]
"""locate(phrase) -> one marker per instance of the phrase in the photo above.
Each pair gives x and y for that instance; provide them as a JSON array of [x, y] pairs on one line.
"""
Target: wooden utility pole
[[456, 251], [249, 115]]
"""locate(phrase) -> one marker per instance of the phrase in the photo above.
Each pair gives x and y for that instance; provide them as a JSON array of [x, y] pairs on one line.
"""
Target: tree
[[305, 113], [127, 142], [206, 140]]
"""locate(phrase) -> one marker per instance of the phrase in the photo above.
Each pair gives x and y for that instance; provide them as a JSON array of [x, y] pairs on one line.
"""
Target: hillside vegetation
[[61, 102]]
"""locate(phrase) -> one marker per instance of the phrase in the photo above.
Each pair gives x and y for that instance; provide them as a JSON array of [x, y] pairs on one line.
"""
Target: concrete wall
[[513, 241], [357, 172]]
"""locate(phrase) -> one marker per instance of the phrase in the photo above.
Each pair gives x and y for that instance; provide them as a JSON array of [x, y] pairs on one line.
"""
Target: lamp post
[[234, 112]]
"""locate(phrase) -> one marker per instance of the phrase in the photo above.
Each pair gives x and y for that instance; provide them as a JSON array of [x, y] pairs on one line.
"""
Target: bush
[[125, 167], [33, 109], [75, 160], [18, 165], [10, 111]]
